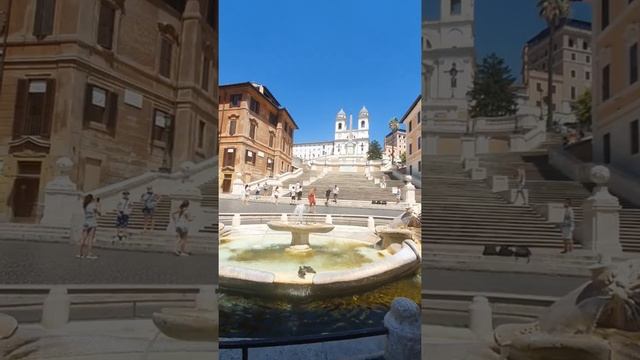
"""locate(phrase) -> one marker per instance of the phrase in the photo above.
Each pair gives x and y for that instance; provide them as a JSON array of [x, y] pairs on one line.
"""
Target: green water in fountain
[[329, 253]]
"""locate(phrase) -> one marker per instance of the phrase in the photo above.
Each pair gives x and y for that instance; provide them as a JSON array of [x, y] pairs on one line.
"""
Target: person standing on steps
[[276, 194], [245, 195], [292, 191], [336, 191], [122, 219], [521, 181], [312, 200], [327, 196], [568, 226], [149, 202], [181, 219], [299, 192], [91, 212]]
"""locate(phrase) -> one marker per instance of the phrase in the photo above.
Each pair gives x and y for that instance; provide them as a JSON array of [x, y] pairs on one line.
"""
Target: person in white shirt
[[276, 194], [181, 219], [521, 183], [122, 218], [336, 191], [91, 213]]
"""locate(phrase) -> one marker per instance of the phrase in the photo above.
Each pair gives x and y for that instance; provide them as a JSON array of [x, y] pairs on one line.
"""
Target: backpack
[[490, 250], [505, 250]]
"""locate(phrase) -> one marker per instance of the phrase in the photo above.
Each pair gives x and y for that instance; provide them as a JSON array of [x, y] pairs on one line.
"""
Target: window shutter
[[112, 112], [20, 109], [49, 105], [165, 57], [87, 105], [47, 16]]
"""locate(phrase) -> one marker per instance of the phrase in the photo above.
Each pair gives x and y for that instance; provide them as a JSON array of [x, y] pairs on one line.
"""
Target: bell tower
[[341, 130]]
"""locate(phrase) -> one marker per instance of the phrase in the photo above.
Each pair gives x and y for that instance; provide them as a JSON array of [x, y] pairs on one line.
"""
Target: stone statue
[[600, 320]]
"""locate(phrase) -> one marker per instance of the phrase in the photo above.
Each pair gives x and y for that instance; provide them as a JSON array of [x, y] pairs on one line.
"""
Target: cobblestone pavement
[[525, 284], [236, 206], [47, 263]]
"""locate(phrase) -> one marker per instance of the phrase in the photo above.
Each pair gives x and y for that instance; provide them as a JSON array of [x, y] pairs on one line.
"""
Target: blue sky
[[504, 26], [319, 56]]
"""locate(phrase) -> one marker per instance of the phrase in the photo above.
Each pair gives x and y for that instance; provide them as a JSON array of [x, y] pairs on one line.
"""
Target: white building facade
[[348, 140]]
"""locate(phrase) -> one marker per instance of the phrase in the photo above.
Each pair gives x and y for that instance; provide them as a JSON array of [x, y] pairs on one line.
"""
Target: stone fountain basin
[[187, 324], [319, 228], [323, 283]]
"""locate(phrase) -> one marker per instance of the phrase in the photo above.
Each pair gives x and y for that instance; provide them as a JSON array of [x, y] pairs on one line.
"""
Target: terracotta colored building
[[119, 87], [395, 144], [412, 121], [616, 87], [256, 134]]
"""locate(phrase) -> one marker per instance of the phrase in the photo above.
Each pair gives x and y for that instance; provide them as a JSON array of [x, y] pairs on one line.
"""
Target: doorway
[[226, 183], [25, 192]]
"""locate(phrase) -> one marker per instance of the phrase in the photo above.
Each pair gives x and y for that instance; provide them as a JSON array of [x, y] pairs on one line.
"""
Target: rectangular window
[[250, 157], [273, 119], [573, 74], [605, 14], [633, 63], [573, 56], [573, 93], [269, 164], [106, 23], [252, 130], [206, 69], [539, 87], [101, 107], [410, 149], [410, 169], [254, 106], [606, 83], [161, 124], [201, 129], [588, 59], [606, 148], [410, 125], [229, 157], [43, 22], [553, 89], [271, 140], [166, 50], [635, 137], [456, 7], [232, 127], [587, 75], [34, 108], [570, 42], [235, 100], [419, 117], [419, 142]]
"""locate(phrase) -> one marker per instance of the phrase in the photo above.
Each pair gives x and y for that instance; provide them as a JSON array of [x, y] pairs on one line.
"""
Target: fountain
[[300, 231], [400, 229]]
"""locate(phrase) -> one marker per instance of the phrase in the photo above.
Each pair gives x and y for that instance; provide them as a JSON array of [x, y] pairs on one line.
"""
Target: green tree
[[581, 108], [403, 158], [553, 12], [375, 151], [492, 93], [394, 125]]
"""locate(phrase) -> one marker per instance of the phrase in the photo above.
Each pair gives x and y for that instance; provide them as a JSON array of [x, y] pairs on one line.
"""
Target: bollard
[[403, 323], [328, 219], [480, 318], [284, 218], [371, 223], [207, 299], [236, 220], [55, 310]]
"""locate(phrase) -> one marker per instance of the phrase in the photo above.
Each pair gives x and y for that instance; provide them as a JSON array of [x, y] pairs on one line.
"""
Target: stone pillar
[[55, 310], [283, 218], [601, 223], [409, 191], [481, 318], [468, 147], [470, 163], [236, 220], [516, 142], [61, 198], [499, 183], [238, 185], [403, 323], [186, 190], [328, 219], [482, 144], [371, 224], [207, 299], [478, 173]]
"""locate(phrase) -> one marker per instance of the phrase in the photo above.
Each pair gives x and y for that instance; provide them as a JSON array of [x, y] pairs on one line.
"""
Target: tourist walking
[[181, 219], [327, 196], [521, 181], [245, 195], [568, 226], [336, 192], [312, 200], [276, 194], [292, 192], [149, 201], [299, 192], [122, 218], [91, 212], [398, 193]]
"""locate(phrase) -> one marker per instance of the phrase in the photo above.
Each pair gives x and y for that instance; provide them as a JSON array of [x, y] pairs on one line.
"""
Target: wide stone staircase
[[162, 216], [546, 184], [353, 186]]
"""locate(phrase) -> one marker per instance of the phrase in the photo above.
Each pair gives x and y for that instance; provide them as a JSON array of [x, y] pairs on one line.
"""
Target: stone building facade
[[412, 121], [256, 134], [121, 87], [572, 60], [616, 87], [395, 144]]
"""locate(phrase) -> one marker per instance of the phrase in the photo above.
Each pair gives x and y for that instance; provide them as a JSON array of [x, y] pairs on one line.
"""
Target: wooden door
[[25, 197]]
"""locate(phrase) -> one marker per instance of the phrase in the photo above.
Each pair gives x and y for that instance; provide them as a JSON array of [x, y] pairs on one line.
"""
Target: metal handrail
[[245, 345]]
